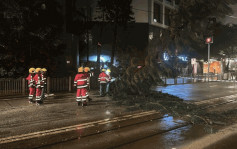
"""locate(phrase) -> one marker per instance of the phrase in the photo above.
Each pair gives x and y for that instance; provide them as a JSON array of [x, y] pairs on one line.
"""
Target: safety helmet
[[103, 70], [37, 70], [86, 69], [31, 70], [80, 69], [108, 70], [44, 69]]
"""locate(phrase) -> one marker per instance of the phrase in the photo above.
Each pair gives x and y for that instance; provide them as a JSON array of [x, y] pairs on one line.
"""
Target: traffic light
[[209, 40]]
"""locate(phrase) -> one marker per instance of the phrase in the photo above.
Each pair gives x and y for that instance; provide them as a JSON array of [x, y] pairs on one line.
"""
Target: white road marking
[[74, 127]]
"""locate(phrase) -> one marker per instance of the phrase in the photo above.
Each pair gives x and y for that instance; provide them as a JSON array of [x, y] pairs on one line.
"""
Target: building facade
[[151, 18]]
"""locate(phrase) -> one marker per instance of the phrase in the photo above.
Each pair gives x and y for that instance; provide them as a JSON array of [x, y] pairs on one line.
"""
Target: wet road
[[200, 91], [151, 134], [18, 117], [227, 143]]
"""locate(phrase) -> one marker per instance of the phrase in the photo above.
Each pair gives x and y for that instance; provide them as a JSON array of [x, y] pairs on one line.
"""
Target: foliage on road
[[172, 105]]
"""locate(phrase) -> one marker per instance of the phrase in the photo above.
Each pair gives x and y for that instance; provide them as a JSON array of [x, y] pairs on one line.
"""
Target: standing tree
[[194, 20], [118, 13], [190, 24], [29, 32], [226, 43]]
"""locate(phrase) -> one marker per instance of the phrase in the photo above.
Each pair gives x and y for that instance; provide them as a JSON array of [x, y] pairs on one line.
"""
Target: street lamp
[[209, 41]]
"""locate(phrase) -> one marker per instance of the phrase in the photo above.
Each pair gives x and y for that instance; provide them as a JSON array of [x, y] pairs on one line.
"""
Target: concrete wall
[[141, 10]]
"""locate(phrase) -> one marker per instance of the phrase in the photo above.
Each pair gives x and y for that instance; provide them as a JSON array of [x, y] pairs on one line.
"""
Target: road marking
[[74, 127]]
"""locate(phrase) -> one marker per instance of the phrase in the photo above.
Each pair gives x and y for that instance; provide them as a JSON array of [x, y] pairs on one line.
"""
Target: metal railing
[[192, 79], [10, 86]]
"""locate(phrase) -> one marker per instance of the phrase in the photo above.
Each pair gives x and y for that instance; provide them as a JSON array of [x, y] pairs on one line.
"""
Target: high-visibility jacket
[[103, 77], [43, 79], [87, 75], [80, 80], [37, 79], [109, 77], [31, 82]]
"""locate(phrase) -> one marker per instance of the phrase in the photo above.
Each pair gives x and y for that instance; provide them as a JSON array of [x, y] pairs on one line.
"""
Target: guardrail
[[10, 86], [191, 79]]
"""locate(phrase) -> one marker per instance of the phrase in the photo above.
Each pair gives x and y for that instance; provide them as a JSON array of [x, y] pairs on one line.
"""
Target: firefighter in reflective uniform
[[37, 79], [88, 75], [80, 81], [103, 79], [43, 83], [109, 80], [31, 84]]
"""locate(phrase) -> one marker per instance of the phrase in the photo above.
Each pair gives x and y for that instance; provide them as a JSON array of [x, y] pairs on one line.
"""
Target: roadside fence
[[196, 79], [10, 86], [19, 86]]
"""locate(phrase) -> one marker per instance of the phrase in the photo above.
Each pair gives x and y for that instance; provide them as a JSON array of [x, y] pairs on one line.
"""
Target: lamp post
[[209, 41]]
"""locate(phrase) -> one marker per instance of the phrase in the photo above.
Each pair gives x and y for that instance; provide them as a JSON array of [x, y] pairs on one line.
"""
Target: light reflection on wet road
[[200, 91], [142, 136]]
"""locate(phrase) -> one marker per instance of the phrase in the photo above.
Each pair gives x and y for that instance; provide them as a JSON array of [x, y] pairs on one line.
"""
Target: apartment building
[[151, 18]]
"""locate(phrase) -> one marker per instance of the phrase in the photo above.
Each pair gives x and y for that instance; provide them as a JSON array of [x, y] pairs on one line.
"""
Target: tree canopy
[[195, 20], [118, 13], [29, 34]]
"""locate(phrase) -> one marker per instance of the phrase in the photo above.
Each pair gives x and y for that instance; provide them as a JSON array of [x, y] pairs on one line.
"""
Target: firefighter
[[37, 79], [31, 84], [88, 75], [109, 80], [43, 85], [103, 79], [80, 81]]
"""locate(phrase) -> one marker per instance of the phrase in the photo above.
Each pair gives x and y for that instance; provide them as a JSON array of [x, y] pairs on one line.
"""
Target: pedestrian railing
[[191, 79], [11, 86]]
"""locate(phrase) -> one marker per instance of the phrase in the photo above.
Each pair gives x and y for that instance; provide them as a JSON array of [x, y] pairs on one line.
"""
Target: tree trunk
[[99, 44], [114, 47], [80, 52], [87, 37], [87, 46], [98, 54]]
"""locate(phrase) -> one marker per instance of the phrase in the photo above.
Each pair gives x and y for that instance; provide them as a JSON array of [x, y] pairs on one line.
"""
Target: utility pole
[[209, 40]]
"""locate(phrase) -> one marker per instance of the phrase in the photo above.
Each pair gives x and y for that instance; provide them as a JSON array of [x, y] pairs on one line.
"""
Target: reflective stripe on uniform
[[78, 99], [81, 80], [37, 98], [84, 96], [82, 86], [83, 99]]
